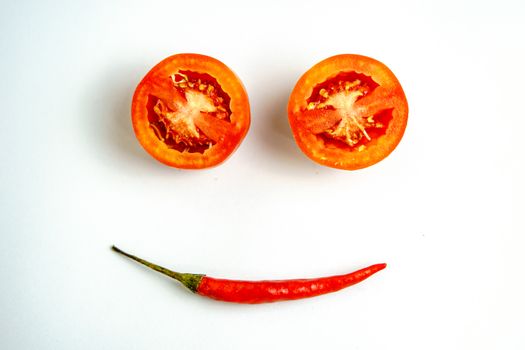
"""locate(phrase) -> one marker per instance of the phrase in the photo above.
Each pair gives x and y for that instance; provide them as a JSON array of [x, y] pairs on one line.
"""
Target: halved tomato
[[190, 111], [348, 112]]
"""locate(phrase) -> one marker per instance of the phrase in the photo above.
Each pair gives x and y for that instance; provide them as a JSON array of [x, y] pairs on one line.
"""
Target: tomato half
[[190, 111], [348, 112]]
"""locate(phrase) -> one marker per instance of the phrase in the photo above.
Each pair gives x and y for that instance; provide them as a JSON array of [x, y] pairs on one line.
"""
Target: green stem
[[189, 280]]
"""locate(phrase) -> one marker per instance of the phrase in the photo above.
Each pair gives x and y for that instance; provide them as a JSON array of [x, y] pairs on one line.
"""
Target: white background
[[445, 210]]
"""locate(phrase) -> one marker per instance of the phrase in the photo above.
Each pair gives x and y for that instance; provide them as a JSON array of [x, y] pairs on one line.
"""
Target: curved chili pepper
[[255, 292]]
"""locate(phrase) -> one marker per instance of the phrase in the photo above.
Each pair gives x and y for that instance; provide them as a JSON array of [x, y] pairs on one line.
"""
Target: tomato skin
[[388, 95], [226, 135]]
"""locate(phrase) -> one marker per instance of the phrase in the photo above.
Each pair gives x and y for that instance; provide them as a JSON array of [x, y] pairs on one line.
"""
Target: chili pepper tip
[[379, 267]]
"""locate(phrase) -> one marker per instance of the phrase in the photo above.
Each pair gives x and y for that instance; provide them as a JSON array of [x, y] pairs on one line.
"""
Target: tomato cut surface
[[190, 111], [348, 112]]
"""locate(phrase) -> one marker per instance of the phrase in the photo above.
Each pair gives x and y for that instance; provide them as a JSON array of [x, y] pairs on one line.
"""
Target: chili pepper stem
[[189, 280]]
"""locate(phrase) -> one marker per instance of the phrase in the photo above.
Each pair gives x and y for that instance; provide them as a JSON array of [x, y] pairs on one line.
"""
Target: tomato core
[[173, 117], [349, 127]]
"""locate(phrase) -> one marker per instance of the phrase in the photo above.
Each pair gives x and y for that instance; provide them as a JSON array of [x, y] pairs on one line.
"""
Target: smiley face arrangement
[[191, 112]]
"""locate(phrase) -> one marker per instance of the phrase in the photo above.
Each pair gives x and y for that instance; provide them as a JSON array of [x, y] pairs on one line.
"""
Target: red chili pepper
[[255, 292]]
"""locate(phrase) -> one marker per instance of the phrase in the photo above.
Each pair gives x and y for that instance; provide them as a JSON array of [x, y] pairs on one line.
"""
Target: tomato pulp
[[190, 111], [348, 112]]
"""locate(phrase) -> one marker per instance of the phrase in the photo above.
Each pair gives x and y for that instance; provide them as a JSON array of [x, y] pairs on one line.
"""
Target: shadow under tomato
[[271, 125], [111, 132]]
